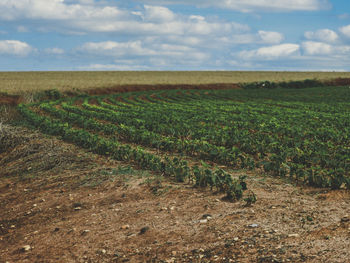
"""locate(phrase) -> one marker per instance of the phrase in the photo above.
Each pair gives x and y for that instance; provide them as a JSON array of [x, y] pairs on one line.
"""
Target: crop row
[[180, 169], [283, 150], [302, 134]]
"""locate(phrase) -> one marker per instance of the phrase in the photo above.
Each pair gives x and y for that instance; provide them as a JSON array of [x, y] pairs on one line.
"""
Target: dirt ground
[[59, 203]]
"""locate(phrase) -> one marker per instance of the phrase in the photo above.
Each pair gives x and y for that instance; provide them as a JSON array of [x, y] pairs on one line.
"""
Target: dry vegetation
[[19, 82]]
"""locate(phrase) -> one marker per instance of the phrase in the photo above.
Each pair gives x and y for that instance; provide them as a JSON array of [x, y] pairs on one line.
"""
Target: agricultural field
[[301, 135], [18, 83], [226, 175]]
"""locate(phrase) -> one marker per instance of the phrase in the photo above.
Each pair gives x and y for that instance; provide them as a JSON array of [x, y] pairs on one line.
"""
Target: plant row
[[180, 169]]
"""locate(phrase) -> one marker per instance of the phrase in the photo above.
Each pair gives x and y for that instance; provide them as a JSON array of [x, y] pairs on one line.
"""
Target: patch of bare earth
[[59, 203]]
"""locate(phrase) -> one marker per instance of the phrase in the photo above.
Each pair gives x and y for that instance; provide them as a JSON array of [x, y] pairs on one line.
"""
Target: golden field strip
[[17, 83]]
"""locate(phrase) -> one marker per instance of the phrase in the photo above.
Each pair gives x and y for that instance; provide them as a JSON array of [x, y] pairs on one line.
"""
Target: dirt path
[[85, 208]]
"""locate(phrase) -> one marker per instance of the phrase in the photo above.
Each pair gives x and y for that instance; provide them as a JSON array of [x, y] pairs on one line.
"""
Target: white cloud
[[271, 52], [323, 35], [171, 48], [185, 40], [322, 49], [15, 47], [79, 17], [107, 67], [54, 51], [194, 17], [316, 48], [137, 49], [270, 37], [116, 49], [345, 30], [344, 50], [326, 44], [252, 5], [275, 5], [82, 2], [154, 36], [238, 38], [152, 53], [201, 27], [54, 10], [158, 14]]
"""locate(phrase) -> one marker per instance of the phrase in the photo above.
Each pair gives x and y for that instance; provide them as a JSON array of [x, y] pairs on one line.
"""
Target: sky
[[283, 35]]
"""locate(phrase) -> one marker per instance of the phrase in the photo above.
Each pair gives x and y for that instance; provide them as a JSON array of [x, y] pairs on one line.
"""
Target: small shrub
[[52, 94]]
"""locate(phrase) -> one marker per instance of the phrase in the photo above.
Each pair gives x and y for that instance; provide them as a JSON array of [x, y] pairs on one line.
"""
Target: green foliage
[[302, 134], [250, 198], [52, 94]]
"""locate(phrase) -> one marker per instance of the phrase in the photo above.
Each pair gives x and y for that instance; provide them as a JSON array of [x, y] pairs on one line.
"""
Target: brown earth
[[338, 82], [10, 100], [59, 203], [13, 100], [129, 88]]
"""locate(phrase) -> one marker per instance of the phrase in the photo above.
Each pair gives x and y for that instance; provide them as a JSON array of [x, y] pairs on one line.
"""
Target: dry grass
[[22, 82]]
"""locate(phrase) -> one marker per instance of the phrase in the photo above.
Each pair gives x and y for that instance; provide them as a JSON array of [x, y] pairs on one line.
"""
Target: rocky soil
[[59, 203]]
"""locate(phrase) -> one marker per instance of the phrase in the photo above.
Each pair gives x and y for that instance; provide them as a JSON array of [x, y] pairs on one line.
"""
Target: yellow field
[[23, 82]]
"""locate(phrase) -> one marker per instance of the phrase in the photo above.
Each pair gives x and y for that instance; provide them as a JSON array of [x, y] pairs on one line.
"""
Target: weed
[[250, 198]]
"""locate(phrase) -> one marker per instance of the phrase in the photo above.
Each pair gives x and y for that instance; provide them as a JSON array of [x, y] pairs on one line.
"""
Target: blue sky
[[302, 35]]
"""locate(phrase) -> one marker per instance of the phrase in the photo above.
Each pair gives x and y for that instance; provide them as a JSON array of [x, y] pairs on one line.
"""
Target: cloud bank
[[14, 47], [156, 34], [253, 5]]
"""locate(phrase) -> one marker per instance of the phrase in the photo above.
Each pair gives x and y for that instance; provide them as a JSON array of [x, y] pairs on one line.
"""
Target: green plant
[[250, 198], [297, 134]]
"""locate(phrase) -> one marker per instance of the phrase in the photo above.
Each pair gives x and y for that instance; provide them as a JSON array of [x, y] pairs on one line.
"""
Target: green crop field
[[22, 82], [200, 136]]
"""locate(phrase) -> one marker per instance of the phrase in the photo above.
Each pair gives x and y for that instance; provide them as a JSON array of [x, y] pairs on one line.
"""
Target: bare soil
[[10, 100], [129, 88], [59, 203]]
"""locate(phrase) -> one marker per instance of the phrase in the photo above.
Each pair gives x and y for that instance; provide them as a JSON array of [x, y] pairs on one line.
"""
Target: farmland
[[31, 82], [303, 135], [259, 169]]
